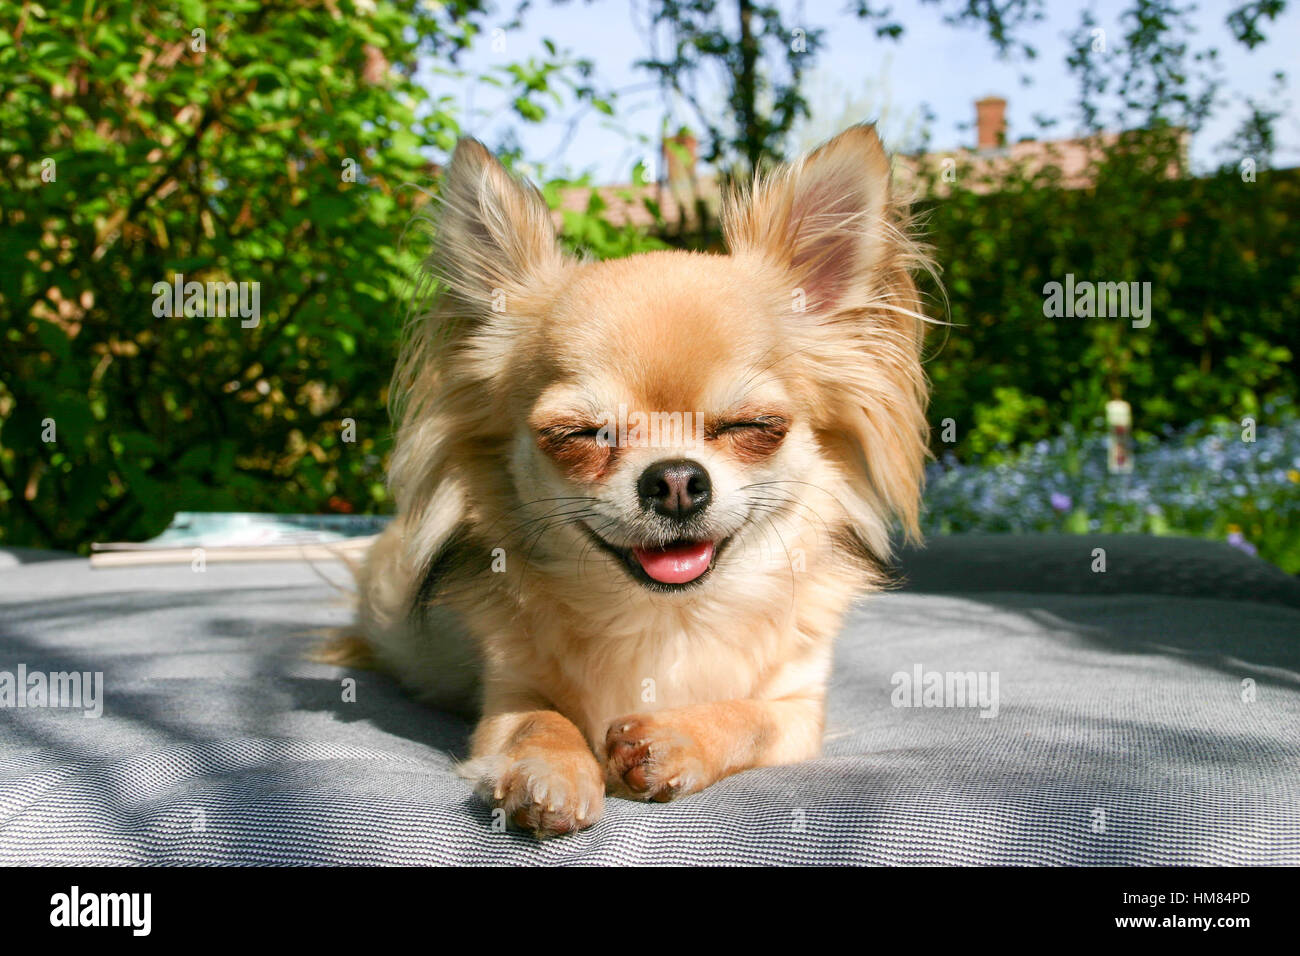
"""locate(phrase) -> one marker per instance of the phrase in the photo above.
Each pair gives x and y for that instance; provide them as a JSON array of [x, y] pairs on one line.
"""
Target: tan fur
[[488, 594], [344, 648]]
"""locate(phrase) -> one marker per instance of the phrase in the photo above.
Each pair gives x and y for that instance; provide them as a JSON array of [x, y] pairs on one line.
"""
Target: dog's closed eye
[[580, 449], [752, 439]]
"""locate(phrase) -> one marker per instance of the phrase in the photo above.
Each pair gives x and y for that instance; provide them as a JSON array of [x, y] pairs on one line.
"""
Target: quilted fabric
[[1147, 715]]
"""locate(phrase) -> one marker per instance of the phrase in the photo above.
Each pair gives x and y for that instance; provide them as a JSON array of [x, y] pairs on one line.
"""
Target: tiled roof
[[980, 171]]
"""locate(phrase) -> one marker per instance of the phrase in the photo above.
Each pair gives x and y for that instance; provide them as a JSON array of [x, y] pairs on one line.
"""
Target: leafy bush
[[588, 232], [147, 140], [246, 143]]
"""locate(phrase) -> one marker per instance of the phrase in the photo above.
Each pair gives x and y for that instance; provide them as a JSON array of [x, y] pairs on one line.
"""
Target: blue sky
[[856, 77]]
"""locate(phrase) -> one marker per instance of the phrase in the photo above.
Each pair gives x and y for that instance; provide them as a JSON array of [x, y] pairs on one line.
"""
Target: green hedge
[[1223, 259]]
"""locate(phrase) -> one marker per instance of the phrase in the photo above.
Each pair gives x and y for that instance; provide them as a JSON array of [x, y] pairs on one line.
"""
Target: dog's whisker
[[792, 500]]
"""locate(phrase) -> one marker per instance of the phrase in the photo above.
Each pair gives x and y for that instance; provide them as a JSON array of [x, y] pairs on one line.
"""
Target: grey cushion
[[1124, 732]]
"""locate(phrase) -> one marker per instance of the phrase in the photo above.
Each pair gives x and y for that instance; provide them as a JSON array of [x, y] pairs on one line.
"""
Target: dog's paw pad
[[648, 760]]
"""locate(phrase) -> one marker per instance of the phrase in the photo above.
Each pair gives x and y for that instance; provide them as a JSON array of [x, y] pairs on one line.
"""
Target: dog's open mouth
[[671, 567], [678, 563]]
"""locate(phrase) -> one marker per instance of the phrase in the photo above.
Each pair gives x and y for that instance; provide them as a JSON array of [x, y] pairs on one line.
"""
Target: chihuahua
[[636, 498]]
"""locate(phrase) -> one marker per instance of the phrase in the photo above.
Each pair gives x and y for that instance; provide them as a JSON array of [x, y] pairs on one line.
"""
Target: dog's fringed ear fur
[[831, 223], [823, 218], [494, 233], [494, 259]]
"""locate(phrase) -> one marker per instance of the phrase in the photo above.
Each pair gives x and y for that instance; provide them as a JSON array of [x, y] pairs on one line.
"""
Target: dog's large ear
[[495, 239], [493, 265], [830, 223], [823, 218]]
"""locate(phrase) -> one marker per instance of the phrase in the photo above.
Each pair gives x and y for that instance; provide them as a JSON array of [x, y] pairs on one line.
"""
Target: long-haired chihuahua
[[635, 498]]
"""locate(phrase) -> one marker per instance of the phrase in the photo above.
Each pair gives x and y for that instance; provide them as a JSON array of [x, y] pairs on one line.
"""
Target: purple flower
[[1238, 541], [1061, 502]]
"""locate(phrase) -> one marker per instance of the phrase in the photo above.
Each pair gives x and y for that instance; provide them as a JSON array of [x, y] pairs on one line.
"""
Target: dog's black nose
[[674, 489]]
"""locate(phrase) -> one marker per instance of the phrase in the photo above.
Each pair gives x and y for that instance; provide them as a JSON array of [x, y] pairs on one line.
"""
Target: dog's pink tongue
[[678, 563]]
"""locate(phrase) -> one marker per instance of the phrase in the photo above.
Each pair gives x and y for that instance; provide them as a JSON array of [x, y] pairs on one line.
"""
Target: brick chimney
[[991, 122]]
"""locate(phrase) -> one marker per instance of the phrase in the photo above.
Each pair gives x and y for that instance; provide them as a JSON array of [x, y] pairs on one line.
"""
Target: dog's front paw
[[649, 759], [547, 793]]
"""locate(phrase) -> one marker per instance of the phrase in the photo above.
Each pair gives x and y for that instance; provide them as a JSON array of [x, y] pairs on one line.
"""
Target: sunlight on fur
[[631, 617]]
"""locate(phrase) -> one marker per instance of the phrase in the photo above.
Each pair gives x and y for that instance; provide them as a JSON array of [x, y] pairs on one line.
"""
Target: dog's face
[[661, 417], [666, 410]]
